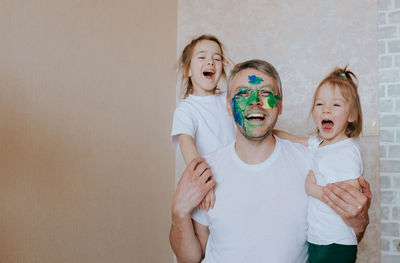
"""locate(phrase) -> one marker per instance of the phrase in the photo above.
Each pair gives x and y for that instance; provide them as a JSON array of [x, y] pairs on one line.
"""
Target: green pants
[[333, 253]]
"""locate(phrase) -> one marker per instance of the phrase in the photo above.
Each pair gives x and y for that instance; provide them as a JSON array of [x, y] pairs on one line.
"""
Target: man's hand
[[194, 184], [351, 204]]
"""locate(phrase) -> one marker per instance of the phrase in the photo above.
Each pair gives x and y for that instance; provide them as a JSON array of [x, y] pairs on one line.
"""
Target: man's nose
[[255, 98]]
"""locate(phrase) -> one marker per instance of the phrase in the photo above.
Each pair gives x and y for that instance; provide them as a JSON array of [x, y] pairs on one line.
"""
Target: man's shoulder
[[293, 148]]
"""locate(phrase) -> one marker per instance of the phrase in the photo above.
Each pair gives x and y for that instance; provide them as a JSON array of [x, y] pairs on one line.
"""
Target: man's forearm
[[184, 241]]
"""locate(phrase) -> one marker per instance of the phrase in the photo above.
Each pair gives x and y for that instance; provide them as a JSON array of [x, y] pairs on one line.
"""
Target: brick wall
[[389, 69]]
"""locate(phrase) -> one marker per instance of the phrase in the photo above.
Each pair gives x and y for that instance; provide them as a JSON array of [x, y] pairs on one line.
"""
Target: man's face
[[255, 103]]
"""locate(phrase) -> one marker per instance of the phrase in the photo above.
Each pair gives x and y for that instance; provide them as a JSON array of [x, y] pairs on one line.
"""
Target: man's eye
[[265, 93], [243, 93]]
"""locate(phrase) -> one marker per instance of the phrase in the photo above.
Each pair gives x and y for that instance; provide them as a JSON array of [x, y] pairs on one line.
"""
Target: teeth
[[255, 115]]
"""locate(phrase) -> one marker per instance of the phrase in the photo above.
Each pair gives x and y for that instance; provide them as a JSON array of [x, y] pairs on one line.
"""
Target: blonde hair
[[186, 57], [347, 83]]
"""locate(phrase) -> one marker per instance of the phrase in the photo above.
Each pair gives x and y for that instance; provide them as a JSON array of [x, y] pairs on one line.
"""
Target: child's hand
[[208, 201], [228, 62], [310, 181]]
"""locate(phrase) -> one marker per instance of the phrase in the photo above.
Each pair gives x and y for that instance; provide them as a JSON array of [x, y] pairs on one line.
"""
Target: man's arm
[[351, 204], [194, 184]]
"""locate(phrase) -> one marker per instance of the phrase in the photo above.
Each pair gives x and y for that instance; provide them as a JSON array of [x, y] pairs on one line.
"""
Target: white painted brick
[[394, 151], [385, 32], [382, 151], [397, 60], [385, 213], [390, 166], [385, 182], [385, 4], [396, 213], [398, 136], [386, 136], [396, 182], [386, 258], [393, 90], [391, 120], [385, 244], [385, 61], [386, 105], [397, 107], [393, 46], [390, 229], [382, 18], [381, 47], [382, 91], [389, 75], [394, 17], [396, 245], [388, 197]]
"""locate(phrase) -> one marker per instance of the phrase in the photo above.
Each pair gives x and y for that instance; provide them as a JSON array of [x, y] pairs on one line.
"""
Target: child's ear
[[351, 118], [186, 72]]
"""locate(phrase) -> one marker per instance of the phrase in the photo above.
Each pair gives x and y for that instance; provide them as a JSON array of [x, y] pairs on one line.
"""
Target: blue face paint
[[254, 80]]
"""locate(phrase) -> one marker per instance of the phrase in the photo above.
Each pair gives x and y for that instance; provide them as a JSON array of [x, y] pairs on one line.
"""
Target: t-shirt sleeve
[[346, 165], [183, 123], [200, 216]]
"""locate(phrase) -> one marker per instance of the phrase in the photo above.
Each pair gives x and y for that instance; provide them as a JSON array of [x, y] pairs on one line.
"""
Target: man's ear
[[229, 105], [280, 107]]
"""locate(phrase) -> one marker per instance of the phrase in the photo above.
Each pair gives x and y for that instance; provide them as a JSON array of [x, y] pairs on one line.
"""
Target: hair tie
[[343, 75]]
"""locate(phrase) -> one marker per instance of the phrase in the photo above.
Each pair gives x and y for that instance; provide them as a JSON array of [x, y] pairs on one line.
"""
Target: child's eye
[[336, 105], [318, 104], [201, 57]]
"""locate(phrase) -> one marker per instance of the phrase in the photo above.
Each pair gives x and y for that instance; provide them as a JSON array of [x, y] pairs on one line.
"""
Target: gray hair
[[260, 65]]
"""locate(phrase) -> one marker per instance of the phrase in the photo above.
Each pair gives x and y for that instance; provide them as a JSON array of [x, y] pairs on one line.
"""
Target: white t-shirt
[[206, 119], [260, 212], [335, 162]]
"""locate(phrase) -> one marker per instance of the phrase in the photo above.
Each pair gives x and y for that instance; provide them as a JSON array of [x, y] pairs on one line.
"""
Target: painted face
[[331, 114], [205, 69], [255, 103]]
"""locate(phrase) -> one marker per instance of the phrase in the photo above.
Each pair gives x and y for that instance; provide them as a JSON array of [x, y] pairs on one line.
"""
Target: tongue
[[327, 125]]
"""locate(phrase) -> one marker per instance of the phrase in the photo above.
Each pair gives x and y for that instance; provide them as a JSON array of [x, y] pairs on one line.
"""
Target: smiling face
[[205, 69], [331, 114], [255, 103]]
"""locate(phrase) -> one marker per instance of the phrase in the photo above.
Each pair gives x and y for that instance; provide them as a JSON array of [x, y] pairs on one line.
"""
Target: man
[[260, 214]]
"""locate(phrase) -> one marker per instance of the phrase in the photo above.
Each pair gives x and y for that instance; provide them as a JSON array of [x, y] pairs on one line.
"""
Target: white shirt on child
[[260, 212], [206, 119], [335, 162]]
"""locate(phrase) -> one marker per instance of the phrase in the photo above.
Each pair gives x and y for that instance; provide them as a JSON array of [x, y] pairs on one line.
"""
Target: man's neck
[[254, 152]]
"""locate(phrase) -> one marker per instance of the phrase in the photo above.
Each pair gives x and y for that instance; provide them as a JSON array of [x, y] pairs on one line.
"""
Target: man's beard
[[261, 137]]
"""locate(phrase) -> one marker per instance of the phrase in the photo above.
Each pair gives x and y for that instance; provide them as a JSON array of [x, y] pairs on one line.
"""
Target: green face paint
[[253, 95]]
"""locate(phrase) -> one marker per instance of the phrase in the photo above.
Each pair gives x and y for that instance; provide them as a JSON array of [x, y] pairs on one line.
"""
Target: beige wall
[[304, 40], [87, 92]]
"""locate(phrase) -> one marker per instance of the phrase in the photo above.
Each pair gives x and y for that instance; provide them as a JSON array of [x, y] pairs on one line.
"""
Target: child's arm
[[288, 136], [188, 149], [189, 152], [315, 190]]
